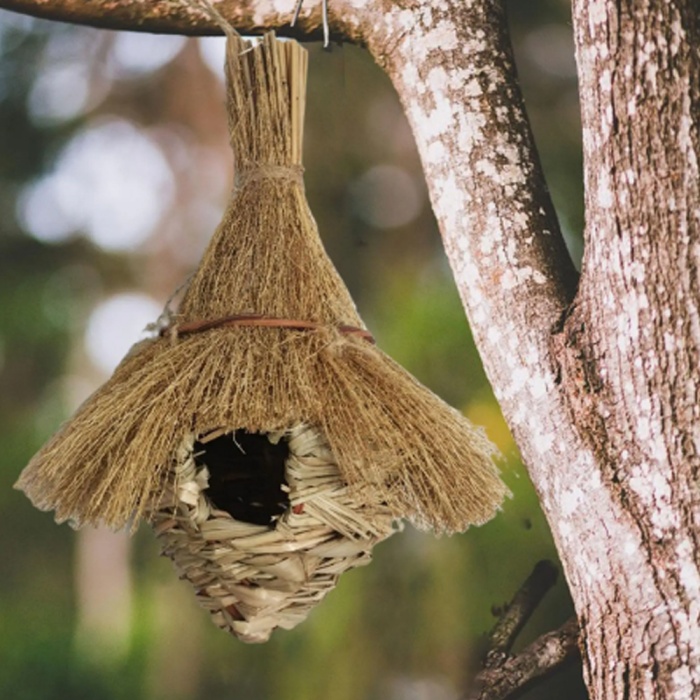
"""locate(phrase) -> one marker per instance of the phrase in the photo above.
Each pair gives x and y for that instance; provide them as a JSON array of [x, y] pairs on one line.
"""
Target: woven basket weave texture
[[254, 578]]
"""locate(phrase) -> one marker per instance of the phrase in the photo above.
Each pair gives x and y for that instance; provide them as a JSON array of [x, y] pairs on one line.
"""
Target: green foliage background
[[409, 626]]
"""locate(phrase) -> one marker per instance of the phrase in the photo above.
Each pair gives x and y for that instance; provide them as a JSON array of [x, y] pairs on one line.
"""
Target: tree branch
[[503, 675], [518, 612], [453, 70], [634, 338], [545, 655], [174, 16]]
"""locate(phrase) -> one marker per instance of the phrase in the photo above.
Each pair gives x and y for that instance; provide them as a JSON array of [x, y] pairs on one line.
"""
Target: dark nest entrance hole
[[246, 475]]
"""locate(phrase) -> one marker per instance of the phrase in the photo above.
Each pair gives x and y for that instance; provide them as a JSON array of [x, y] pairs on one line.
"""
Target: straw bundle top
[[266, 98]]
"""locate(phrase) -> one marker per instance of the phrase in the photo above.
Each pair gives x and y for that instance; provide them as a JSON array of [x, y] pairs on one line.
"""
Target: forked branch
[[502, 674]]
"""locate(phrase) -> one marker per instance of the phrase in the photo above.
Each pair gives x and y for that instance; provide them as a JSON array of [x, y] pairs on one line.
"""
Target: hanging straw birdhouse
[[263, 435]]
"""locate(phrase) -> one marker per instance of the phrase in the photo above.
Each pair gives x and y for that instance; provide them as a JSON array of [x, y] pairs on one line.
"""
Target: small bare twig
[[503, 675], [543, 656], [513, 618]]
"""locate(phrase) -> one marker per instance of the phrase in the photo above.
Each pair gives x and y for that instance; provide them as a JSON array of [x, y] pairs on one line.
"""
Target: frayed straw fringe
[[387, 433], [385, 429]]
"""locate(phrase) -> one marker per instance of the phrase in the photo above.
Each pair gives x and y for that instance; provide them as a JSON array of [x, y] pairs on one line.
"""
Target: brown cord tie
[[260, 321]]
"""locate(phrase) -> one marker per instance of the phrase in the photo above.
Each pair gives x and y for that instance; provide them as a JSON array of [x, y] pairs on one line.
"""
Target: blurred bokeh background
[[114, 170]]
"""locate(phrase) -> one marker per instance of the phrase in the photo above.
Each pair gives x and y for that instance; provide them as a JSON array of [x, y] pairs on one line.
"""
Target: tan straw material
[[395, 448], [253, 578]]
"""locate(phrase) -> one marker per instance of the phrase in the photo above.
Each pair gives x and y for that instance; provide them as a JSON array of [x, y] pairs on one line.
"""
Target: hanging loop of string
[[165, 320], [324, 16], [207, 7], [228, 29]]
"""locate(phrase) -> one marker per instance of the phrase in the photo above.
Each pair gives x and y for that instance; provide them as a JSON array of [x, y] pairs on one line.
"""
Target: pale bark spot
[[471, 88], [682, 682], [282, 6], [442, 36], [604, 192], [678, 35], [494, 335], [473, 46], [539, 386], [436, 152], [650, 73], [438, 79], [438, 122], [631, 546], [598, 14], [570, 501], [543, 442], [685, 139], [488, 168], [487, 244], [410, 77], [688, 572]]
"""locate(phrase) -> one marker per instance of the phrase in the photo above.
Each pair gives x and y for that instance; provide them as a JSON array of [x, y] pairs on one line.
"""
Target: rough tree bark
[[598, 378], [633, 340]]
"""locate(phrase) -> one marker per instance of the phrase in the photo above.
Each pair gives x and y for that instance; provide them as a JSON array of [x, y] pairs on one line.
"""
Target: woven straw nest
[[252, 577], [266, 342]]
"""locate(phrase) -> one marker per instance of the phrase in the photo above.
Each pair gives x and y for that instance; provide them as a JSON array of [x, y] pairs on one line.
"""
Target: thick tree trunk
[[598, 380], [634, 338], [606, 412]]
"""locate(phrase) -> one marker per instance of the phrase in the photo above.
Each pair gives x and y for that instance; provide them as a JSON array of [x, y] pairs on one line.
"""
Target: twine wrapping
[[291, 173]]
